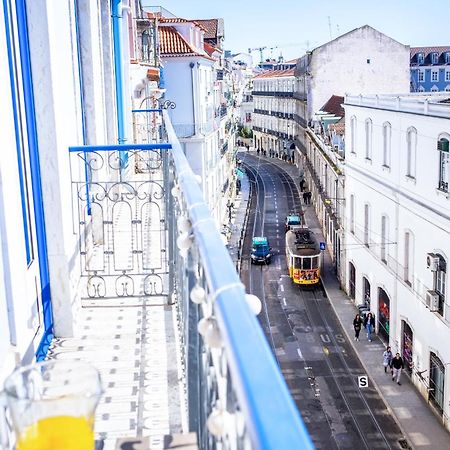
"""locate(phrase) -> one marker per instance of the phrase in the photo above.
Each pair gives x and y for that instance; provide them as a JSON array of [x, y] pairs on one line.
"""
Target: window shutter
[[442, 145]]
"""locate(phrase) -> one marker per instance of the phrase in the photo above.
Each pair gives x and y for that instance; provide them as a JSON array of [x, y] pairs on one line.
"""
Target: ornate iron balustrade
[[230, 373], [238, 373]]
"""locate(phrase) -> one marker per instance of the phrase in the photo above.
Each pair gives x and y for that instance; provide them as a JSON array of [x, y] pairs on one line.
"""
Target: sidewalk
[[415, 418]]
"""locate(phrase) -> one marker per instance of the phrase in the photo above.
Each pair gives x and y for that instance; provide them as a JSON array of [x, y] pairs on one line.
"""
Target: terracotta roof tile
[[334, 106], [210, 26], [276, 73], [210, 49], [171, 43]]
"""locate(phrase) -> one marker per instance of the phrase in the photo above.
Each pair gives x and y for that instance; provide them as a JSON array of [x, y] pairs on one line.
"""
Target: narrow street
[[317, 362]]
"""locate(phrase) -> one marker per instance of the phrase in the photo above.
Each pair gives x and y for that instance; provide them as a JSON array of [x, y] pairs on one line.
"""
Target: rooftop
[[334, 106], [433, 104], [276, 74]]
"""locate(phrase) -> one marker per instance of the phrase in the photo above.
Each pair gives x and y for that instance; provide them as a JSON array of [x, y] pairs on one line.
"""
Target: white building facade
[[273, 112], [357, 62], [194, 74], [397, 233]]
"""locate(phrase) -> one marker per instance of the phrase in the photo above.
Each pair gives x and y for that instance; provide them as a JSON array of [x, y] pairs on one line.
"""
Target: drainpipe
[[194, 95], [116, 14]]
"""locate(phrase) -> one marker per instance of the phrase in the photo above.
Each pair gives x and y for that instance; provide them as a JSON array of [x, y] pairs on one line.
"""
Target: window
[[368, 139], [440, 282], [352, 214], [366, 224], [435, 75], [248, 117], [387, 131], [447, 57], [411, 144], [420, 58], [443, 148], [383, 239], [408, 255], [434, 89], [353, 134], [434, 58], [421, 76], [421, 89], [447, 75], [437, 382], [447, 88]]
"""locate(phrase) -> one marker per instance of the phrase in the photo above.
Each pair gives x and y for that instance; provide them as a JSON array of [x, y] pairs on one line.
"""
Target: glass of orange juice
[[52, 405]]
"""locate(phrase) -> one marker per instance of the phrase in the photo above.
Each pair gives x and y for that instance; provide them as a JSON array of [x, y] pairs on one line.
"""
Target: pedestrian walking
[[305, 198], [302, 185], [357, 324], [387, 358], [397, 366], [308, 197], [247, 147], [369, 325]]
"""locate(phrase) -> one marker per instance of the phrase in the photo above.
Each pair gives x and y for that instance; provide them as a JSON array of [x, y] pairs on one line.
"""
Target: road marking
[[363, 381], [282, 288], [326, 351], [299, 353], [284, 301]]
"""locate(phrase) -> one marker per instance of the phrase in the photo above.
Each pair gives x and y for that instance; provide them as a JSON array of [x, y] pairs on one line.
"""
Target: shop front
[[407, 346], [383, 314]]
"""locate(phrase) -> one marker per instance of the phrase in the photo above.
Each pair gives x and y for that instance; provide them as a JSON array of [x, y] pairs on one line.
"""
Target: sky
[[294, 26]]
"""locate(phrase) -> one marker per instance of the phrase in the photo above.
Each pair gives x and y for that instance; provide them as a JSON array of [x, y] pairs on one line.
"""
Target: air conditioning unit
[[432, 262], [432, 300]]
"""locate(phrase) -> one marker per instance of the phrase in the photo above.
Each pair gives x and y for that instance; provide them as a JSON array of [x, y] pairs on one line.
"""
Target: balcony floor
[[136, 351]]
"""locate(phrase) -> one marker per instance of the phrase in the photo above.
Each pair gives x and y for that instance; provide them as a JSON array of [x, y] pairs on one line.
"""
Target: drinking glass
[[51, 405]]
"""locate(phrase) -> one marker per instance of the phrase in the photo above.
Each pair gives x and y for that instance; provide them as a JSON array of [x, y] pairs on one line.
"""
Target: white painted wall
[[411, 204], [340, 66]]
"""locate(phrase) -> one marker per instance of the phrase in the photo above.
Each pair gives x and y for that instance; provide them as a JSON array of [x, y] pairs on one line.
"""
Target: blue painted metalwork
[[35, 174], [106, 148], [116, 13], [146, 110], [17, 130], [271, 416], [83, 118]]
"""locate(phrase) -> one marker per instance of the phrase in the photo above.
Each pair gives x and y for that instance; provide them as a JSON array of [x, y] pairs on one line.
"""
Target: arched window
[[352, 214], [384, 238], [366, 224], [353, 134], [368, 128], [440, 281], [408, 257], [411, 145], [443, 148], [387, 132]]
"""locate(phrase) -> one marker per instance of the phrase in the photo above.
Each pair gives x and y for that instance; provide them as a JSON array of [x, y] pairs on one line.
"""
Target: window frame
[[387, 136], [368, 127], [411, 149]]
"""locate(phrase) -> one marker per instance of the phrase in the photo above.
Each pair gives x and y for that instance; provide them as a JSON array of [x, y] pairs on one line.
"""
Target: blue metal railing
[[272, 419]]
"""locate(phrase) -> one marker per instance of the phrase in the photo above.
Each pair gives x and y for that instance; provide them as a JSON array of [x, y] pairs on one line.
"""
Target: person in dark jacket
[[369, 325], [397, 366], [357, 324]]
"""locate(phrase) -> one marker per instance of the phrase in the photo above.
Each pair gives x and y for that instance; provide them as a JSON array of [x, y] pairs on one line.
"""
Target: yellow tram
[[303, 256]]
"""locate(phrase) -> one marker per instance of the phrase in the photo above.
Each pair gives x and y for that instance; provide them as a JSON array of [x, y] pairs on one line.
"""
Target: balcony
[[274, 93], [148, 241]]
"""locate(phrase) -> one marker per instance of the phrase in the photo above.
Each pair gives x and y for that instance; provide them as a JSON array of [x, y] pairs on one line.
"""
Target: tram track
[[361, 421]]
